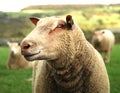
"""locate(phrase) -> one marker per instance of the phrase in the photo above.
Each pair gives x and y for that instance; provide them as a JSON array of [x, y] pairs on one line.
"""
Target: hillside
[[74, 6], [61, 7], [89, 18]]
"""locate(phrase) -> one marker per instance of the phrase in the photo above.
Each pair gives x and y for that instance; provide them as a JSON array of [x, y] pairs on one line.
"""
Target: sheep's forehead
[[99, 32], [15, 48], [50, 21], [14, 44]]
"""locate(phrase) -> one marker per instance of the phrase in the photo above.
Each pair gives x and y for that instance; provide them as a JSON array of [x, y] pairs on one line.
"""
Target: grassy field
[[13, 81], [114, 69]]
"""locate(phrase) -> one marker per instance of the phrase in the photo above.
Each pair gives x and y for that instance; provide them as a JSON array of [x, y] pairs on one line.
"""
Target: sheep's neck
[[70, 76], [70, 73]]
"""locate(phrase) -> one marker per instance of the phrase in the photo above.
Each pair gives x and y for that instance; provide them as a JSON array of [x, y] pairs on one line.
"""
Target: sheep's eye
[[61, 26]]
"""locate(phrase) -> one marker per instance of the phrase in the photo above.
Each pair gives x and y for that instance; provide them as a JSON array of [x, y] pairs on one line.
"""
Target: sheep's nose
[[26, 45]]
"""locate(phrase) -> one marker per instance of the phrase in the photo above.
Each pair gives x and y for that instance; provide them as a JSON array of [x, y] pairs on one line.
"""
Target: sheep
[[103, 41], [16, 60], [66, 61]]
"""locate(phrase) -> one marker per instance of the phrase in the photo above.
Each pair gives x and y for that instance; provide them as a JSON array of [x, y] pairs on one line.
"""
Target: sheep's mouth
[[31, 57]]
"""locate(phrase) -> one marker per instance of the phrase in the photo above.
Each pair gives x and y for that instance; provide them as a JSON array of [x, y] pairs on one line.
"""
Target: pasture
[[13, 81], [90, 18]]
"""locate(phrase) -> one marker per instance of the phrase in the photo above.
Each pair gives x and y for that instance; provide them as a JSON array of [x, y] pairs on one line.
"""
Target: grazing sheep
[[16, 60], [103, 41], [67, 62]]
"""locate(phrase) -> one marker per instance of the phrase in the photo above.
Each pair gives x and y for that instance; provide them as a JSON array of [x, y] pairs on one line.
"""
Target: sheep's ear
[[34, 20], [18, 43], [8, 43], [69, 22], [103, 32]]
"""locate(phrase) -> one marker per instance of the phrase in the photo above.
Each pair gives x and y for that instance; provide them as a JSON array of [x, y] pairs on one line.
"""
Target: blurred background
[[90, 16]]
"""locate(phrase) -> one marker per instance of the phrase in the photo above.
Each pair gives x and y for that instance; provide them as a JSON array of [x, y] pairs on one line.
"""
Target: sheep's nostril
[[26, 46]]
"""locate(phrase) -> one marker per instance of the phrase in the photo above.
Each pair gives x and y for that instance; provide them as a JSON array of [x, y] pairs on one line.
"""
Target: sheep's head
[[14, 48], [98, 37], [44, 42]]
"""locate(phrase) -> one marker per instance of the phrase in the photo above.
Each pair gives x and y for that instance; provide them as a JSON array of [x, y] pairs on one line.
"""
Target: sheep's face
[[98, 37], [14, 48], [44, 42]]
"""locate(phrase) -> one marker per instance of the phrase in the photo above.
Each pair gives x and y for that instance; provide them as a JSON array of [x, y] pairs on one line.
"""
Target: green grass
[[13, 81], [114, 69]]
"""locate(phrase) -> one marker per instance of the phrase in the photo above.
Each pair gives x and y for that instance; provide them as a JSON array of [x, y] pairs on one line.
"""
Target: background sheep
[[16, 60], [103, 41], [68, 63]]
